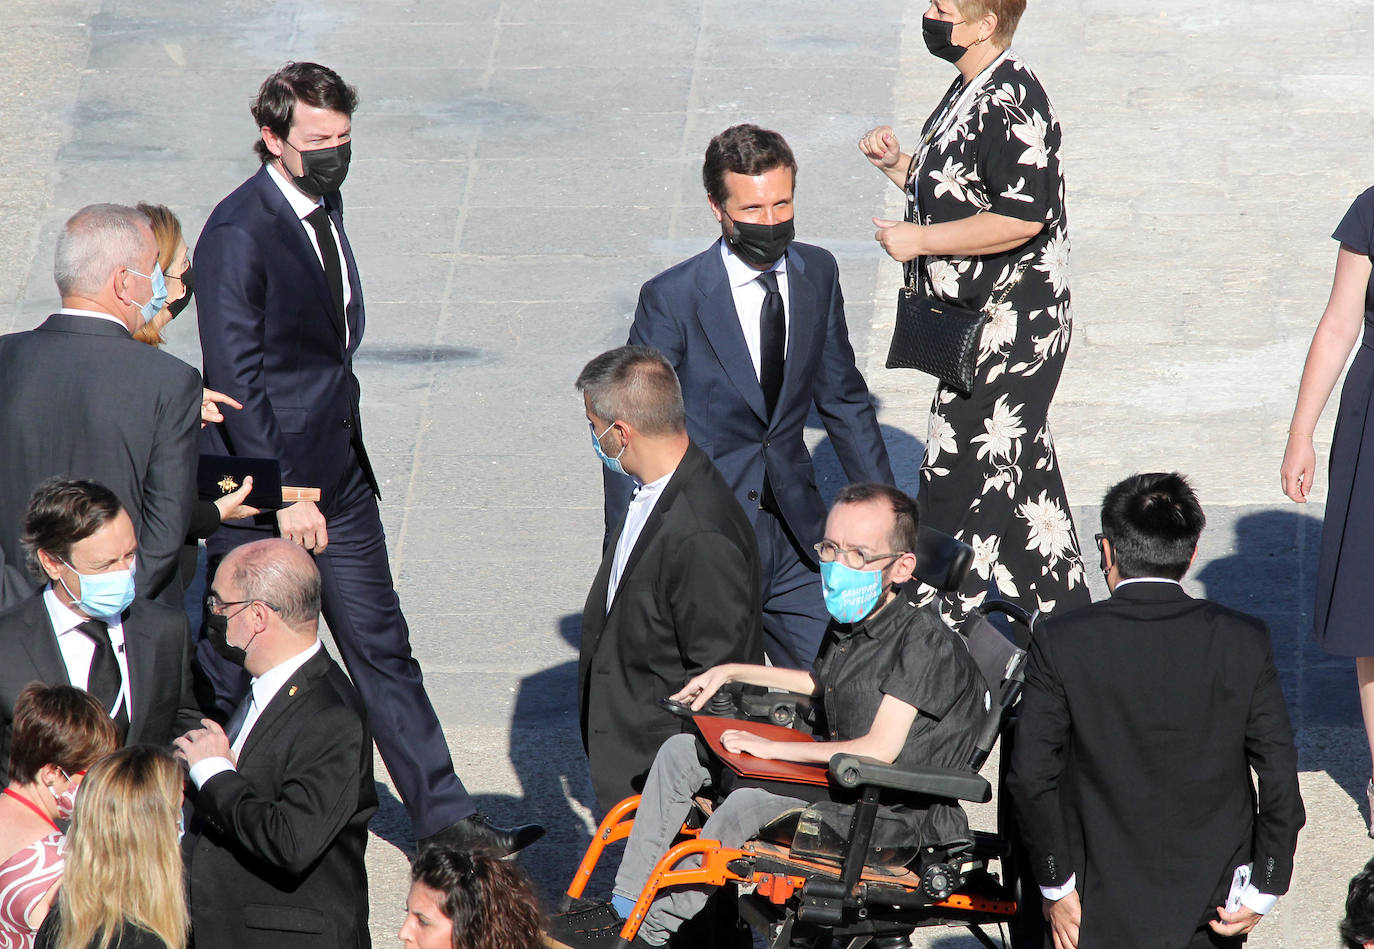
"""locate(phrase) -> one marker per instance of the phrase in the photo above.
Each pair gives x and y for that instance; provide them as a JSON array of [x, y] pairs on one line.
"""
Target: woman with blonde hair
[[57, 732], [123, 884]]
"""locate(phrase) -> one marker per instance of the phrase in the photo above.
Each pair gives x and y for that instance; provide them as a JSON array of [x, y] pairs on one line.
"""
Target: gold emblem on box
[[227, 484]]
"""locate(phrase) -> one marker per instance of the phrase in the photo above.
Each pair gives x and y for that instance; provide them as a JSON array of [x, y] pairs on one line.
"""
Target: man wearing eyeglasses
[[893, 683], [283, 792]]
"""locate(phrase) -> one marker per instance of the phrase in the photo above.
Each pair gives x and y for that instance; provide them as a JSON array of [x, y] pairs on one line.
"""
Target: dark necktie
[[236, 720], [772, 340], [103, 680], [329, 253]]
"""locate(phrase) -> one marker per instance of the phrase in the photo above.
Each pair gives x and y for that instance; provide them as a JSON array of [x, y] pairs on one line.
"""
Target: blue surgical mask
[[103, 594], [850, 594], [607, 460], [159, 280]]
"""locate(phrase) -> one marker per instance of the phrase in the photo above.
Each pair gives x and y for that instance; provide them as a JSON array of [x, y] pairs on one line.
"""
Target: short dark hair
[[311, 83], [635, 384], [906, 517], [63, 511], [745, 150], [61, 725], [1153, 522], [489, 902], [1358, 926]]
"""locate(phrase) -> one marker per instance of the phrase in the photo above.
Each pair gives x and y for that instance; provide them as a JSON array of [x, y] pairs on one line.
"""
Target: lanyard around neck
[[951, 111], [31, 806]]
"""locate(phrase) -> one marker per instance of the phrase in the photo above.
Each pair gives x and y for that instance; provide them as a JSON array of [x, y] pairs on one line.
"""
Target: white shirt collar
[[1122, 583], [301, 203], [96, 314], [270, 682], [646, 491], [739, 273]]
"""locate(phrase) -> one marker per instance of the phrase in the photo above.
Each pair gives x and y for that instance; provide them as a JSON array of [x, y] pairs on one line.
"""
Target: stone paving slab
[[522, 167]]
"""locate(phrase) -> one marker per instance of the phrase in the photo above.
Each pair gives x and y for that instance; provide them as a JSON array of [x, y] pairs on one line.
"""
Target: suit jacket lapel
[[803, 312], [139, 649], [292, 232], [594, 612], [287, 697], [720, 322], [40, 642], [686, 469]]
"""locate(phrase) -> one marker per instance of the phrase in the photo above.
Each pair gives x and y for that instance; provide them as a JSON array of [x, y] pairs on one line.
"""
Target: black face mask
[[217, 631], [760, 245], [939, 37], [323, 170], [188, 282]]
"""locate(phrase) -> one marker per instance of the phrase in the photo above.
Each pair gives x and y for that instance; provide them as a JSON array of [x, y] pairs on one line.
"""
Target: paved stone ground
[[521, 168]]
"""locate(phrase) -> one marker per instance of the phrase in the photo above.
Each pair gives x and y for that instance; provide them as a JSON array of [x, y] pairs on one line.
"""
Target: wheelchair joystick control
[[720, 704]]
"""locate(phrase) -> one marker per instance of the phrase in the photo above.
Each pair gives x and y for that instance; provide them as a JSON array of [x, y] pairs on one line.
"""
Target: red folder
[[793, 772]]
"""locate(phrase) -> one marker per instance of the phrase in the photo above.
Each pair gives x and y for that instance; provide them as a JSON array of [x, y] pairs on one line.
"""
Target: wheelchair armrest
[[772, 706], [852, 771]]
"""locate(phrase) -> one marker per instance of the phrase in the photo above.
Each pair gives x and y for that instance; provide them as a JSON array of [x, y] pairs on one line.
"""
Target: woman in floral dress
[[987, 227]]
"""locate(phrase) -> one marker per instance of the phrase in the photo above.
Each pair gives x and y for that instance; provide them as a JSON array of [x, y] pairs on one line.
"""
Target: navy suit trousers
[[364, 616]]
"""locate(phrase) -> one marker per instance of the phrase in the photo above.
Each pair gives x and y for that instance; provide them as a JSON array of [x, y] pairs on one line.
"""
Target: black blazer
[[1141, 719], [83, 398], [157, 649], [687, 600], [688, 313], [269, 338], [279, 858]]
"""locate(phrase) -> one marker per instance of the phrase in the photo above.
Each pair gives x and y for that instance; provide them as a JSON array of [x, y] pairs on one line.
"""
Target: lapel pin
[[291, 691]]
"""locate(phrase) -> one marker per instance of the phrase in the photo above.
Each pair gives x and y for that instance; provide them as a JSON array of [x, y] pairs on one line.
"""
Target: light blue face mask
[[159, 281], [103, 594], [607, 460], [850, 594]]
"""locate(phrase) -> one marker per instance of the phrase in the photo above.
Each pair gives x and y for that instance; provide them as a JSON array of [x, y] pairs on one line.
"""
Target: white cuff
[[1253, 899], [1056, 893], [203, 771]]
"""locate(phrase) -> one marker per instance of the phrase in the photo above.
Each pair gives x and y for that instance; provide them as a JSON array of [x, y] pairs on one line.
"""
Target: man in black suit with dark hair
[[82, 398], [1141, 720], [86, 629], [678, 587], [755, 328], [281, 316], [284, 794]]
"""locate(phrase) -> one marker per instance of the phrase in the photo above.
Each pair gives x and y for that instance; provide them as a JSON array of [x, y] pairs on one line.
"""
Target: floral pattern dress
[[990, 475]]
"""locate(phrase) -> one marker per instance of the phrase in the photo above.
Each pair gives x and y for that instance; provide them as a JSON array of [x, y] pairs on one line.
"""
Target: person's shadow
[[547, 755], [904, 450], [1268, 570]]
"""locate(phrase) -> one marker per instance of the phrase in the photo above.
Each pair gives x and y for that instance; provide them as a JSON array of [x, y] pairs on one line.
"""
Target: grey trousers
[[674, 779]]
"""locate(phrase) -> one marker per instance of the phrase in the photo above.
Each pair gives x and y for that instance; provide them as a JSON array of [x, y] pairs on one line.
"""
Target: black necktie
[[329, 253], [240, 715], [103, 680], [772, 340]]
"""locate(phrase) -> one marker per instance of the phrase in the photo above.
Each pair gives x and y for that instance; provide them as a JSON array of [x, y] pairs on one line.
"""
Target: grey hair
[[635, 384], [95, 242], [282, 575]]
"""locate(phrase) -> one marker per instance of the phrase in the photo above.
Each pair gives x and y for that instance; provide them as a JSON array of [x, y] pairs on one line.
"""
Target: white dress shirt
[[641, 506], [96, 314], [1250, 897], [78, 650], [302, 204], [262, 690], [749, 294]]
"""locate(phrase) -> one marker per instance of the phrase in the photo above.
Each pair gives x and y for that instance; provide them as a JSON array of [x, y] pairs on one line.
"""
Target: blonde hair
[[123, 856], [1008, 13], [167, 233]]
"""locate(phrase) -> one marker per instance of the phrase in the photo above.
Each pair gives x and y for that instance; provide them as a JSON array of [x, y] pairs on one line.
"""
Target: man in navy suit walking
[[281, 316], [755, 328]]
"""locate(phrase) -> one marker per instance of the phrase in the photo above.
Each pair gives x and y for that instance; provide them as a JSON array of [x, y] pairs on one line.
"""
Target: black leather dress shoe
[[478, 833]]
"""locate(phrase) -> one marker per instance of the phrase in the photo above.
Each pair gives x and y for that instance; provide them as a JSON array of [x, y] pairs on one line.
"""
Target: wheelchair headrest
[[941, 561]]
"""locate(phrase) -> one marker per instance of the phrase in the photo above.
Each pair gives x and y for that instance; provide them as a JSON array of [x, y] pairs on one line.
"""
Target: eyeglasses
[[215, 605], [1101, 551], [829, 552]]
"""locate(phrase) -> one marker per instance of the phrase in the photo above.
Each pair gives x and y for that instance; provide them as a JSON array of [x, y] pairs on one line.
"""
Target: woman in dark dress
[[987, 228], [1345, 574], [123, 888]]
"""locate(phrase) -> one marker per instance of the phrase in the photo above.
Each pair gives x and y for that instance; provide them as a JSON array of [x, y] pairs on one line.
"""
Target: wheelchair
[[802, 892]]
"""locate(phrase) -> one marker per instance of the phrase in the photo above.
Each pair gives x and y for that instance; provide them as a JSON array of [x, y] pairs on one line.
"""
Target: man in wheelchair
[[892, 682]]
